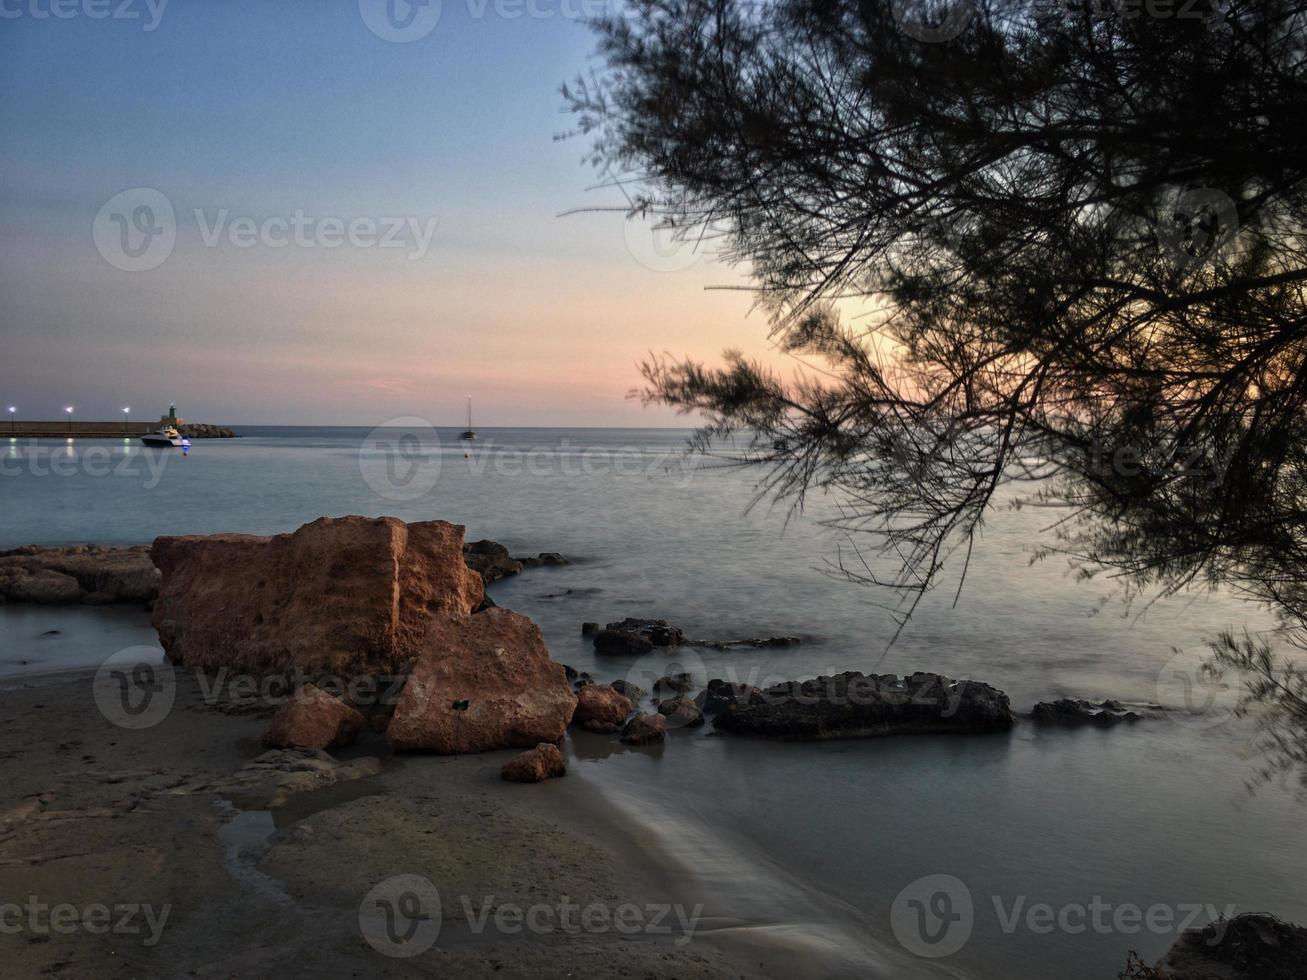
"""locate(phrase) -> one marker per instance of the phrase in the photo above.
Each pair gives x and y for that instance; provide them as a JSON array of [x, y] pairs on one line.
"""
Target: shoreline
[[95, 813]]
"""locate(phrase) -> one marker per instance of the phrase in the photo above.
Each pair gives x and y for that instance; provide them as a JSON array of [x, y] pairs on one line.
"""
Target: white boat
[[164, 436]]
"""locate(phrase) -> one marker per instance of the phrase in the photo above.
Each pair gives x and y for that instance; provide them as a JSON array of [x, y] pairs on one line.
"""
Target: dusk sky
[[255, 112]]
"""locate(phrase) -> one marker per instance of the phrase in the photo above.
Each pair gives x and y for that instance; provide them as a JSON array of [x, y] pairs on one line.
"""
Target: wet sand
[[93, 814]]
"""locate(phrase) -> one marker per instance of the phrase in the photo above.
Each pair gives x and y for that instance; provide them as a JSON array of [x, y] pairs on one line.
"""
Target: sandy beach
[[199, 884]]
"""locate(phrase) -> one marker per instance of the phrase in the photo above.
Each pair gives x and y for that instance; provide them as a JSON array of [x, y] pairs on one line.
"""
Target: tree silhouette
[[1057, 246]]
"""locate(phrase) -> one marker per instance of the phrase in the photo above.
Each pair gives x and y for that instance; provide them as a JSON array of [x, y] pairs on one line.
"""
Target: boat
[[468, 433], [166, 435]]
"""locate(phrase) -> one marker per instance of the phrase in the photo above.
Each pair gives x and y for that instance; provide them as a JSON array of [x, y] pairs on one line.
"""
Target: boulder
[[482, 682], [535, 766], [313, 719], [645, 729], [599, 708], [681, 712], [1077, 711], [343, 596], [720, 695], [854, 705]]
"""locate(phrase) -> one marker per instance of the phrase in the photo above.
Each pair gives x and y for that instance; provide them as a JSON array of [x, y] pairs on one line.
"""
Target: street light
[[12, 410], [69, 410], [126, 415]]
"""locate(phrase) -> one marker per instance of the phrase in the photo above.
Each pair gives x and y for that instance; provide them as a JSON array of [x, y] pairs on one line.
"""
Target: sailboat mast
[[469, 413]]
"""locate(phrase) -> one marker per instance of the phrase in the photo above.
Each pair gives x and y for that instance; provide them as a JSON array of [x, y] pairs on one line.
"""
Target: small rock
[[313, 719], [645, 729], [535, 765], [600, 708], [589, 629], [681, 712], [632, 691], [675, 684]]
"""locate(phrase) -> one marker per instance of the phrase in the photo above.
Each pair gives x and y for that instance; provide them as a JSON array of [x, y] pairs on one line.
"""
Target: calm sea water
[[802, 847]]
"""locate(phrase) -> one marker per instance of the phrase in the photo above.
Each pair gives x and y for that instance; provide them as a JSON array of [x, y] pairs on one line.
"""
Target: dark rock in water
[[201, 430], [620, 642], [625, 688], [53, 633], [1253, 946], [490, 560], [589, 629], [645, 730], [681, 712], [675, 684], [855, 705], [1077, 711], [721, 694], [637, 636], [545, 558], [582, 679], [570, 672]]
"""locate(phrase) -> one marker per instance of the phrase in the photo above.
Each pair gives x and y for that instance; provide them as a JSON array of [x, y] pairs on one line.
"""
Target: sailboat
[[469, 432]]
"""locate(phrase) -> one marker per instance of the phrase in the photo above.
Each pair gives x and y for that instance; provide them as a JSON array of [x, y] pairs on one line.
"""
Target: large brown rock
[[313, 719], [599, 708], [541, 763], [344, 596], [482, 682]]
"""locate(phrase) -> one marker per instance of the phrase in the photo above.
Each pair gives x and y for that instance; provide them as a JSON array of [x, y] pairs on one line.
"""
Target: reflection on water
[[805, 843]]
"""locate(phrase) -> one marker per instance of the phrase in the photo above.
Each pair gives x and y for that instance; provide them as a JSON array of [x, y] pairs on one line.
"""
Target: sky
[[336, 212]]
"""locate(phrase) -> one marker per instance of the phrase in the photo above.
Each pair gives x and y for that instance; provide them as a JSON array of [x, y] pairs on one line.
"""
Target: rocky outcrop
[[720, 695], [347, 596], [854, 705], [599, 708], [78, 574], [492, 561], [1253, 946], [482, 682], [313, 719], [541, 763], [680, 712], [636, 636], [1076, 711], [646, 729]]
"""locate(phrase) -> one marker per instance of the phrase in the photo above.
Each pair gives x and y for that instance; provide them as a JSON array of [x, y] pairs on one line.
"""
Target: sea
[[1039, 853]]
